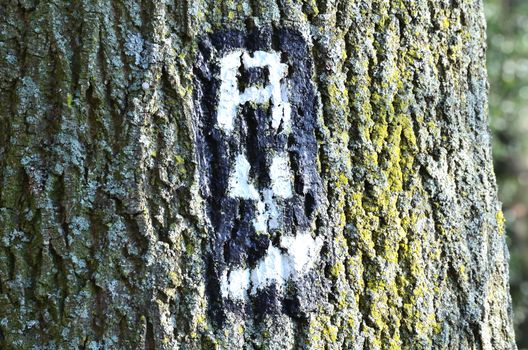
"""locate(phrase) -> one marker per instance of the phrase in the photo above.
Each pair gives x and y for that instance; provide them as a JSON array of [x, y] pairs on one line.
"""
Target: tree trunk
[[254, 174]]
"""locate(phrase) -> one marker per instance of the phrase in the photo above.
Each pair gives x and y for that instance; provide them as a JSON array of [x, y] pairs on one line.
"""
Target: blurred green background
[[508, 76]]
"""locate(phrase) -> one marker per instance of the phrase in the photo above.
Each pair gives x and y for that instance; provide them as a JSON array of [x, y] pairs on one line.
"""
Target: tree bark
[[122, 226]]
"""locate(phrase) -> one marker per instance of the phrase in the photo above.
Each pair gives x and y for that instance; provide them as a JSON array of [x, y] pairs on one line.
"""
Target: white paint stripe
[[260, 223], [236, 285], [239, 184], [280, 175], [273, 210], [303, 251], [230, 97], [274, 267]]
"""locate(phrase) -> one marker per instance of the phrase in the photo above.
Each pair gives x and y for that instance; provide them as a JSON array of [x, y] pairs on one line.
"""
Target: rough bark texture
[[106, 240]]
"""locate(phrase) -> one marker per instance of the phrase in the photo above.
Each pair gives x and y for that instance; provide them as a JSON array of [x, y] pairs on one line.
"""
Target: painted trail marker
[[256, 115]]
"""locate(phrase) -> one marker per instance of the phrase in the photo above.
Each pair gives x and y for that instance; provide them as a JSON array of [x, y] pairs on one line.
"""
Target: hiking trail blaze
[[257, 154]]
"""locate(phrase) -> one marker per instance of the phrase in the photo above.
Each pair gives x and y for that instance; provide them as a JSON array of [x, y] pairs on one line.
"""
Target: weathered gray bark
[[104, 237]]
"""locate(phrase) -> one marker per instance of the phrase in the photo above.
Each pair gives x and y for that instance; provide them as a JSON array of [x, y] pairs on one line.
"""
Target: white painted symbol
[[231, 98], [299, 252]]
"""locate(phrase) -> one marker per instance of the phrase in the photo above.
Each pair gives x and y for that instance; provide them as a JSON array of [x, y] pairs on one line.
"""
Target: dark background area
[[508, 76]]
